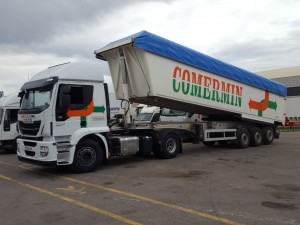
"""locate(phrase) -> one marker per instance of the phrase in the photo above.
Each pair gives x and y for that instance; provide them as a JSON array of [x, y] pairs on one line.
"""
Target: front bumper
[[30, 151], [36, 162]]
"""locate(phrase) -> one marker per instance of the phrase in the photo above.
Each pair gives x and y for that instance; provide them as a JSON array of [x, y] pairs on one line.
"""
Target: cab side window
[[77, 97], [13, 115], [80, 96]]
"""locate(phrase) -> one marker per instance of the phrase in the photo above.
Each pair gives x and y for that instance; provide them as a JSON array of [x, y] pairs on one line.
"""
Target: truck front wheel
[[88, 156], [170, 146]]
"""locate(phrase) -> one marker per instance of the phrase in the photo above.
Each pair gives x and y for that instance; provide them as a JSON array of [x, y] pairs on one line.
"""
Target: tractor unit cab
[[59, 106], [9, 107]]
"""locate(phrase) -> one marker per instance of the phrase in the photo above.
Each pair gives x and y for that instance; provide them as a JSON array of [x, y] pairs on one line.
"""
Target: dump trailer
[[9, 107], [64, 115], [162, 73], [238, 105]]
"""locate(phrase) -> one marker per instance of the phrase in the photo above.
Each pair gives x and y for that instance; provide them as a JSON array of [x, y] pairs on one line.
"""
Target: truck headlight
[[44, 151]]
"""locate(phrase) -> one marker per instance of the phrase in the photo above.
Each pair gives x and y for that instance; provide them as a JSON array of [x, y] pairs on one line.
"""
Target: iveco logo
[[27, 118]]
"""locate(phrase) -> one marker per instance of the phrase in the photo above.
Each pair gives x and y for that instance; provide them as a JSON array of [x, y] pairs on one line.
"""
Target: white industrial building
[[291, 78]]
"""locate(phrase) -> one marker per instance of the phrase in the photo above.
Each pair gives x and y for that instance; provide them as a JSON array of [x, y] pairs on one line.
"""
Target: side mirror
[[64, 98], [6, 125], [63, 103]]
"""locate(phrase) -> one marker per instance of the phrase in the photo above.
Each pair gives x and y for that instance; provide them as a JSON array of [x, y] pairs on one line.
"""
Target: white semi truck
[[63, 119], [9, 107]]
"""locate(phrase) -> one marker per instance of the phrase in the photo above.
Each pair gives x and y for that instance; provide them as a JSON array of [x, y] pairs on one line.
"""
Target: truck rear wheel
[[170, 146], [88, 156], [243, 137], [256, 136], [268, 135]]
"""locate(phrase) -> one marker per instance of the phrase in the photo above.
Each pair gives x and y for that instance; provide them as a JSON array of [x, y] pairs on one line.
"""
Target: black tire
[[88, 156], [209, 143], [170, 146], [256, 136], [243, 137], [12, 147], [15, 146], [268, 135]]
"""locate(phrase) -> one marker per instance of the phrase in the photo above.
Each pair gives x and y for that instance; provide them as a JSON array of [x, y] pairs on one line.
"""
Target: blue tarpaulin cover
[[163, 47]]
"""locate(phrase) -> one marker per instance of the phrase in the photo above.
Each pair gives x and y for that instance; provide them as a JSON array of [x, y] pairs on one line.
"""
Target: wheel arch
[[100, 139], [85, 133]]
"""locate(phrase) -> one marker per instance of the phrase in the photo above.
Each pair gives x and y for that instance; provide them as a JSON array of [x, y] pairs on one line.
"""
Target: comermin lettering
[[205, 87]]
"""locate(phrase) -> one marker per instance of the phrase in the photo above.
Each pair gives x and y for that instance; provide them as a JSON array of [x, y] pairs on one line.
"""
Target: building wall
[[292, 106]]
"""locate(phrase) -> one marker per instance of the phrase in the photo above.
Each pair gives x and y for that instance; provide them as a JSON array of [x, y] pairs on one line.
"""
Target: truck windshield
[[172, 112], [144, 117], [36, 100], [1, 114]]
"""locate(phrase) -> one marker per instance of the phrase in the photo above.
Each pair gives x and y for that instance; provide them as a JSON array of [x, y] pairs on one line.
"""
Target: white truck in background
[[157, 114], [63, 119], [9, 107], [173, 115], [148, 114]]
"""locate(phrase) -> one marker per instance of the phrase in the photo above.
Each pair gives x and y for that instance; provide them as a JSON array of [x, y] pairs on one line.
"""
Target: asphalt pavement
[[204, 185]]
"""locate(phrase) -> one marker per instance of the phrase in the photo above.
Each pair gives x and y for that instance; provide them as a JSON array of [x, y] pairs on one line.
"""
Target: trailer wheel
[[170, 146], [256, 136], [209, 143], [243, 137], [268, 135], [88, 156]]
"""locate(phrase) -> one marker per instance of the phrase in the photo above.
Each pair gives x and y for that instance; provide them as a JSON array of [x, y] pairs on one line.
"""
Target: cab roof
[[91, 71], [10, 100]]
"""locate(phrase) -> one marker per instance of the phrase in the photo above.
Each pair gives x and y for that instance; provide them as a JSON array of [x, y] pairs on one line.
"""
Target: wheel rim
[[171, 145], [269, 134], [258, 137], [244, 138], [86, 156]]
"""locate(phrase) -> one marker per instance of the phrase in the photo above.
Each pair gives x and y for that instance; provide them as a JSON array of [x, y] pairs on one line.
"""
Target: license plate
[[28, 148]]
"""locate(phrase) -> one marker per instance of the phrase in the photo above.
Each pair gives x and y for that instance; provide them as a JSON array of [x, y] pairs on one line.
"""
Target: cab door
[[74, 101], [9, 128]]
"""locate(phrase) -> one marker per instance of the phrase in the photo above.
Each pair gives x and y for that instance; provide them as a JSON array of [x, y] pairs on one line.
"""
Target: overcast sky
[[255, 35]]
